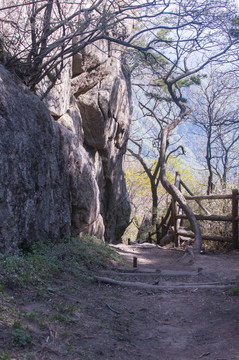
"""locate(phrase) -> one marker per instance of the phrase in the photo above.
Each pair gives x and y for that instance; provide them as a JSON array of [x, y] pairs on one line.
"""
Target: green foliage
[[184, 83], [45, 260], [66, 313], [62, 307], [189, 177], [234, 31], [32, 315], [4, 356], [158, 97], [64, 318], [156, 60], [192, 80], [235, 21], [233, 292], [139, 190], [139, 62], [9, 315], [138, 187], [21, 337]]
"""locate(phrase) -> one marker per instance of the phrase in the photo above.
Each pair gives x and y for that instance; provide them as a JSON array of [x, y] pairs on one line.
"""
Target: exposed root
[[144, 286]]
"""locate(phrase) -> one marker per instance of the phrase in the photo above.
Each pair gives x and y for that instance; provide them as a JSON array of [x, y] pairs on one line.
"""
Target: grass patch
[[234, 292], [78, 256], [9, 314], [64, 318], [4, 356], [21, 337]]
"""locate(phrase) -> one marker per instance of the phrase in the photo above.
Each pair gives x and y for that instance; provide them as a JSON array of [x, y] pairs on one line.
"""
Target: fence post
[[174, 221], [234, 216], [158, 234], [175, 209], [164, 225]]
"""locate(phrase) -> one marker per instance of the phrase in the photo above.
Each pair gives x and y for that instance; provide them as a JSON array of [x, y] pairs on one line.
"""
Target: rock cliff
[[61, 162]]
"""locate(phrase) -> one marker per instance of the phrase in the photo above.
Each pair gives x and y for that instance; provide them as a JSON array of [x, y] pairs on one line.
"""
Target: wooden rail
[[174, 217], [206, 237], [208, 197], [208, 217]]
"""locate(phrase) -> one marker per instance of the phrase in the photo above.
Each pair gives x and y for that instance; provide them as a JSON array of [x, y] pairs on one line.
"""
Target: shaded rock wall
[[64, 176], [33, 179]]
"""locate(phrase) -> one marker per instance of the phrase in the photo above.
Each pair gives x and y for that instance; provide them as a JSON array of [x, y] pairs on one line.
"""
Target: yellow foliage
[[139, 189], [138, 183], [190, 178]]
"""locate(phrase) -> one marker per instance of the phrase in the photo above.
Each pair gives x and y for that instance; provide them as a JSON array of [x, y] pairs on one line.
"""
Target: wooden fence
[[174, 216]]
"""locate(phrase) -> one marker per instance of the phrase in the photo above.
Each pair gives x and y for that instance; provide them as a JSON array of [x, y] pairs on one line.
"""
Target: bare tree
[[144, 145], [176, 62], [37, 36], [217, 115]]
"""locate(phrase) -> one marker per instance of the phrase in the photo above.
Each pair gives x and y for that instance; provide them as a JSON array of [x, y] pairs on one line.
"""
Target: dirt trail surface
[[133, 323], [189, 323]]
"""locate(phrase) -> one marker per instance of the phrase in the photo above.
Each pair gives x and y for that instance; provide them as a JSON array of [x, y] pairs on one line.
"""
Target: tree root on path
[[152, 273], [144, 286]]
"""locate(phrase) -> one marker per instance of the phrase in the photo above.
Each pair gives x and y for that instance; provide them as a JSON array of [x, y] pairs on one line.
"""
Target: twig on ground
[[205, 354], [112, 309]]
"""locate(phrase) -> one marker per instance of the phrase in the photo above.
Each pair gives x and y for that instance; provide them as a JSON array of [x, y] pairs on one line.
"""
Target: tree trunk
[[209, 166], [225, 170], [177, 195], [209, 148], [154, 202]]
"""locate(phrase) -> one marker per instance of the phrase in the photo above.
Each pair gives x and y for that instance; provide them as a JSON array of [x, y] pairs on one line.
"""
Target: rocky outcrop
[[105, 112], [99, 103], [35, 199], [61, 174]]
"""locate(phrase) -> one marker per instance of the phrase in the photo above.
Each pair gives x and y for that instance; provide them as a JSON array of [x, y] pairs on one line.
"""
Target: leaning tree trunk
[[177, 195]]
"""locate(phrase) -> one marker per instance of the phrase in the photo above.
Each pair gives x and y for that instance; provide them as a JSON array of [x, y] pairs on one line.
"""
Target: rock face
[[62, 175]]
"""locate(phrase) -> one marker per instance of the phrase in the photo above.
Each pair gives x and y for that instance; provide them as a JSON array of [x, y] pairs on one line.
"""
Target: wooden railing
[[174, 217]]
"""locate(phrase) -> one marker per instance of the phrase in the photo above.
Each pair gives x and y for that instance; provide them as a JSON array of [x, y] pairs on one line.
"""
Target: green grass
[[78, 256], [9, 314], [21, 337], [64, 318], [234, 292], [4, 356]]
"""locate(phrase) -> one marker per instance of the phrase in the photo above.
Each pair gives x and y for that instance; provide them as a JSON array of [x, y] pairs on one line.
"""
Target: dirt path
[[179, 324], [98, 321]]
